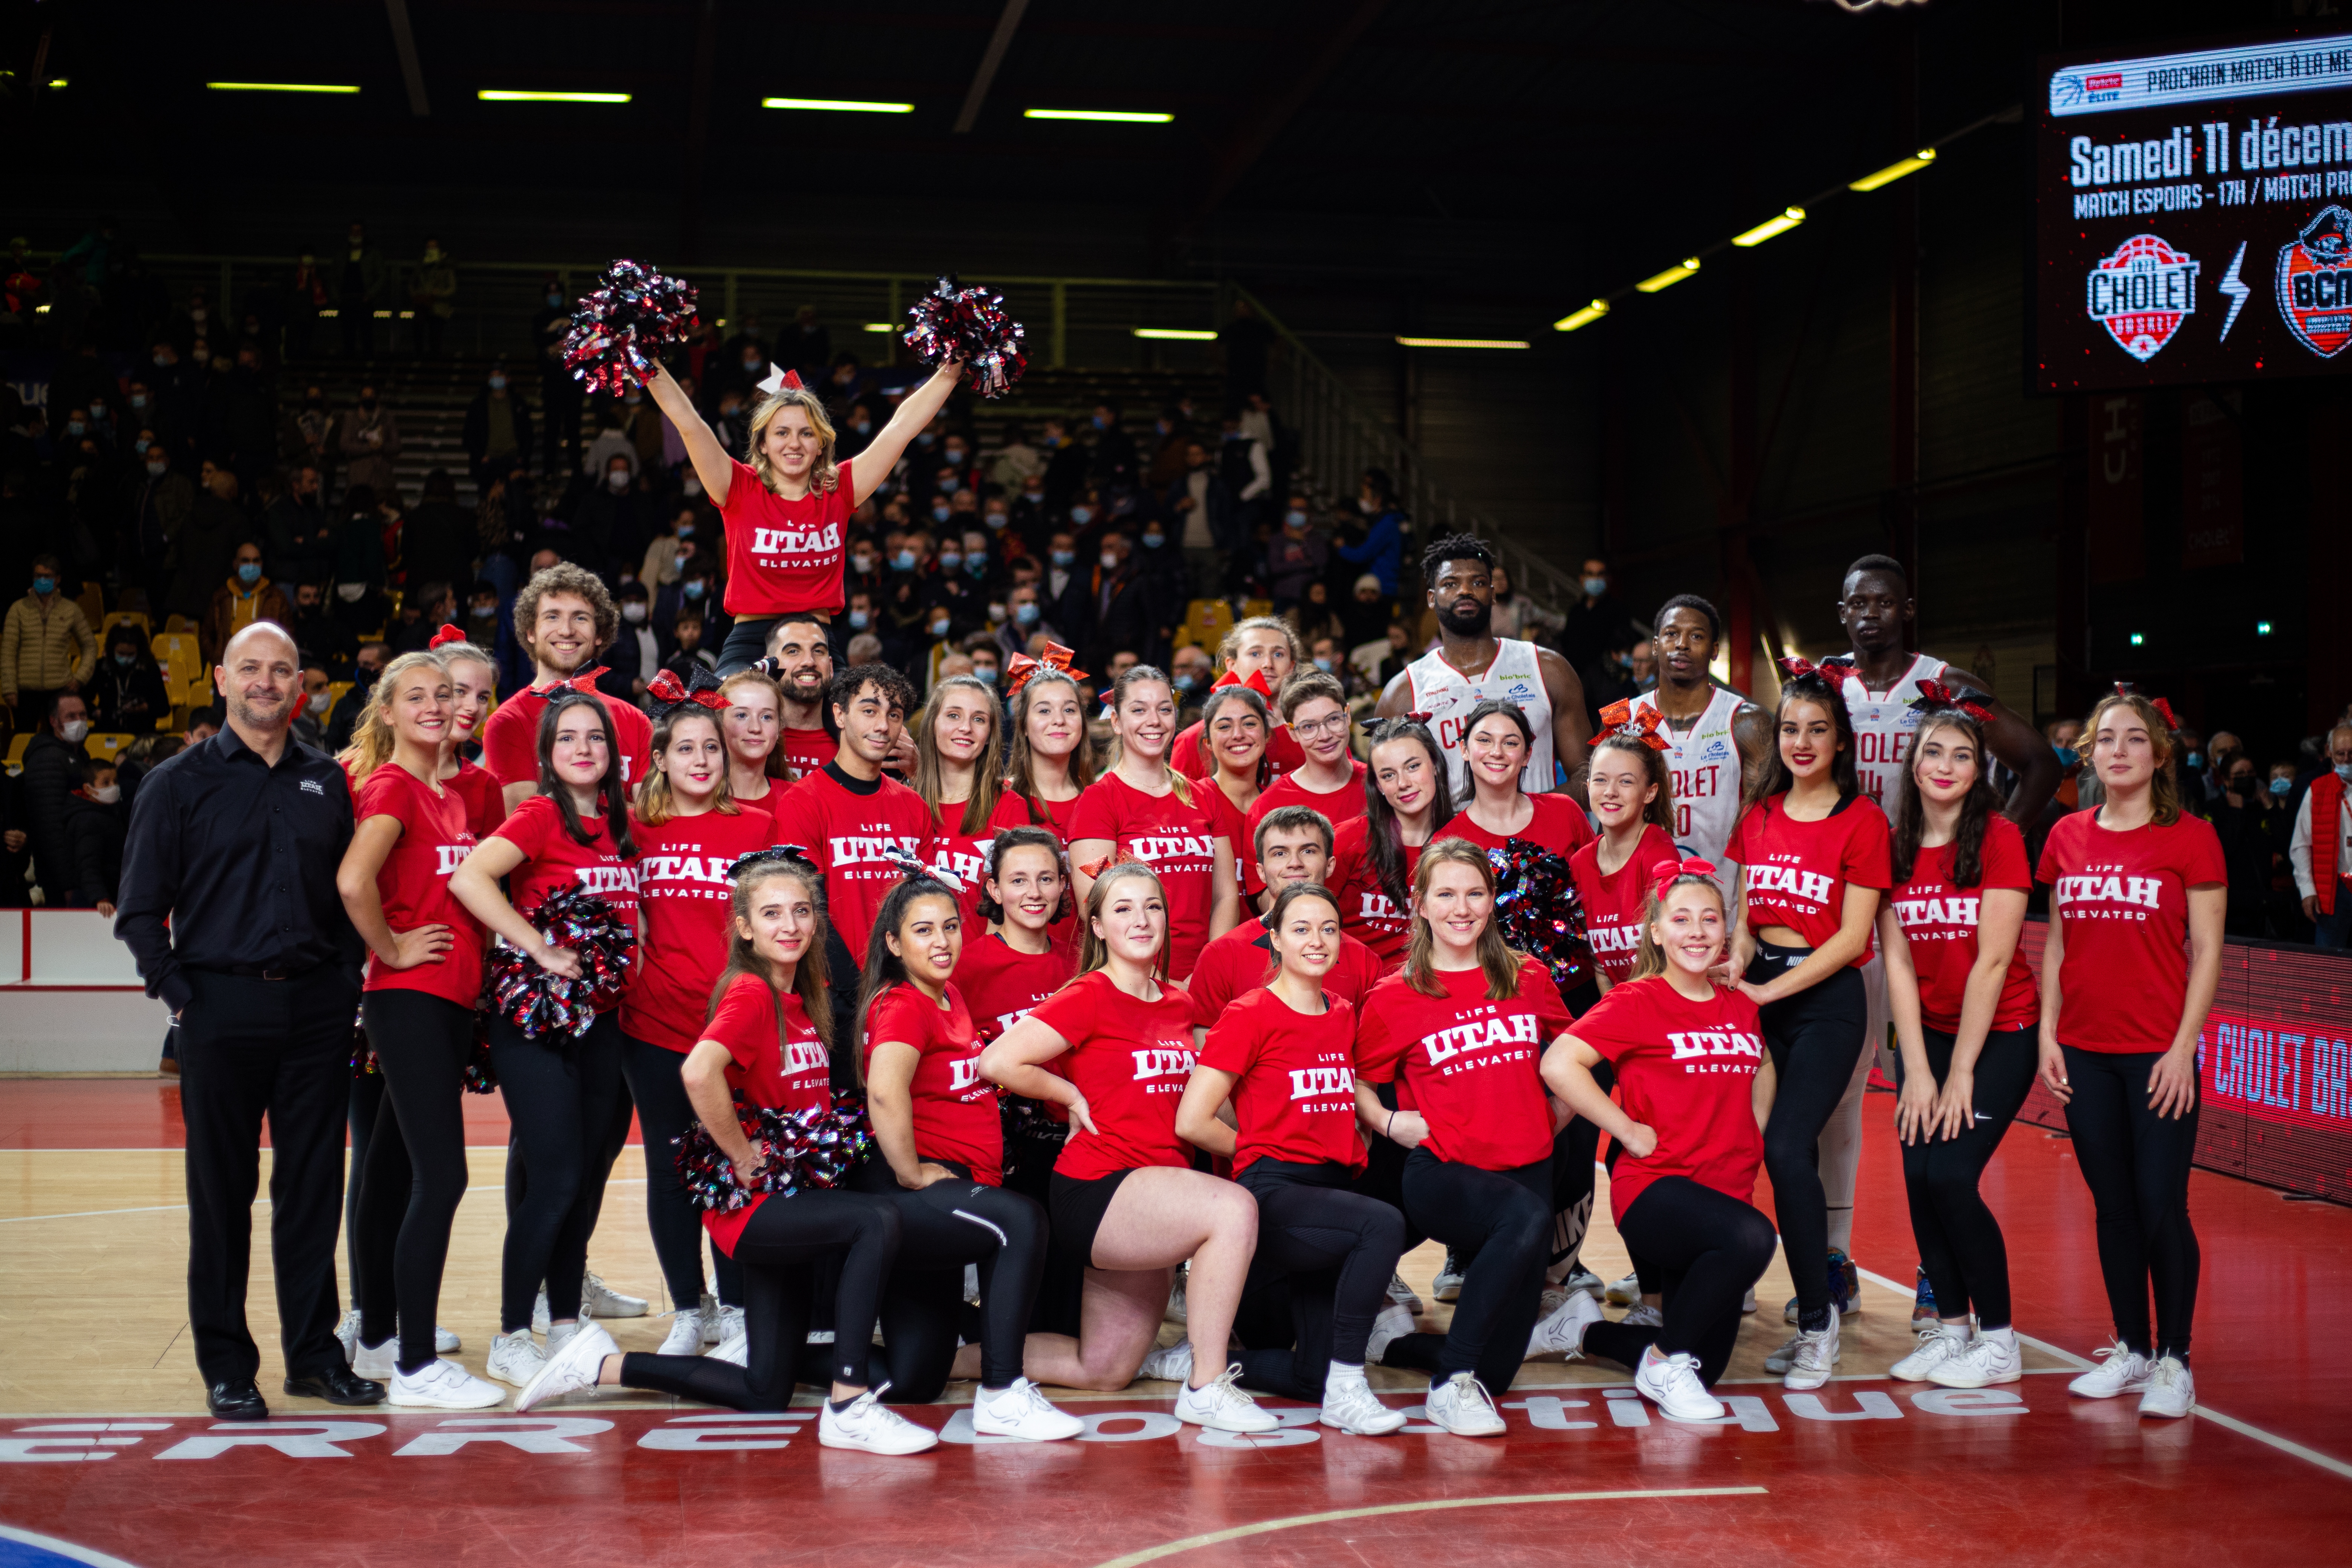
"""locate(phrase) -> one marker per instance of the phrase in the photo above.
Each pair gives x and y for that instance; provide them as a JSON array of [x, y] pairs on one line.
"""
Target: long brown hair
[[1649, 958], [1774, 777], [987, 768], [1093, 952], [2163, 789], [808, 973], [1383, 839], [1977, 808], [884, 968], [1021, 764], [609, 788], [1497, 957], [655, 804], [1661, 809], [372, 738]]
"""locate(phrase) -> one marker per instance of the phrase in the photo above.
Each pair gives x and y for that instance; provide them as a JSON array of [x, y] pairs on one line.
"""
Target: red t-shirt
[[1188, 757], [1001, 986], [1296, 1101], [845, 831], [1558, 826], [1613, 905], [1243, 959], [783, 556], [1939, 924], [803, 752], [1131, 1059], [1366, 911], [510, 737], [683, 888], [414, 882], [1686, 1070], [1798, 871], [1233, 825], [484, 797], [1467, 1064], [954, 1108], [965, 855], [790, 1071], [2124, 899], [1177, 841], [552, 858]]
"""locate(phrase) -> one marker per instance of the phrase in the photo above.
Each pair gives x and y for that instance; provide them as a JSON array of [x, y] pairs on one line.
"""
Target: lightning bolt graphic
[[2236, 289]]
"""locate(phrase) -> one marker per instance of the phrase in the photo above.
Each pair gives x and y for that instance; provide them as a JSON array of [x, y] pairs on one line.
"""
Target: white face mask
[[1110, 562], [351, 593], [108, 795], [617, 481], [632, 612], [319, 704], [75, 730]]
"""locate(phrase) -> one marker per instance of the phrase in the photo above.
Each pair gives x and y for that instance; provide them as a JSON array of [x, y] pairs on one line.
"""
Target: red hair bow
[[1664, 874], [1934, 694], [1834, 670], [668, 690], [447, 635], [1416, 718], [1255, 682], [1623, 719], [1021, 669], [780, 379], [584, 681], [2164, 709], [1116, 857]]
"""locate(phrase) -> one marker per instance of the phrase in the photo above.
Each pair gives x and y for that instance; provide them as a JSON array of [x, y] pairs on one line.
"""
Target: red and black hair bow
[[1834, 670], [1934, 696], [584, 681], [669, 693], [445, 635], [1021, 669], [1120, 857], [1665, 873], [1626, 721]]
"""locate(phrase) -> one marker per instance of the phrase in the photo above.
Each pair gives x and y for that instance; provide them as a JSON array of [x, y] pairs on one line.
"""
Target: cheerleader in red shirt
[[960, 774], [940, 1148], [1495, 745], [1813, 850], [1010, 966], [473, 686], [767, 1043], [1965, 1015], [1315, 714], [1374, 856], [1049, 760], [1283, 1055], [1459, 1030], [424, 971], [1233, 740], [1144, 809], [1632, 794], [688, 830], [1695, 1084], [563, 1093], [752, 723], [1127, 1202], [2138, 891]]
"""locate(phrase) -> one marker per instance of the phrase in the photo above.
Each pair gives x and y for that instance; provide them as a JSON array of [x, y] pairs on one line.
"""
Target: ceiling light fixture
[[881, 327], [268, 86], [1584, 318], [1177, 334], [1670, 276], [1763, 231], [1121, 116], [1893, 171], [1465, 343], [838, 105], [509, 95]]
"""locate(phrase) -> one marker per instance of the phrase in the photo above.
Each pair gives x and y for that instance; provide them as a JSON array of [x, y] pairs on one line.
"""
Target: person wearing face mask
[[52, 771], [497, 424], [434, 294], [322, 636], [126, 693], [245, 598], [310, 713], [2320, 848], [369, 440], [1381, 551], [46, 646], [94, 818], [359, 570], [637, 652], [2243, 819], [1295, 557], [613, 520]]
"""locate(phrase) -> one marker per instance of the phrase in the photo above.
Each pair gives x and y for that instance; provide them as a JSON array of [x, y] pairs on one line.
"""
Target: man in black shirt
[[228, 903]]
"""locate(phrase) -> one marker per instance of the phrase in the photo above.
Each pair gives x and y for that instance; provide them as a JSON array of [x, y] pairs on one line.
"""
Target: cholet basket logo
[[2141, 294]]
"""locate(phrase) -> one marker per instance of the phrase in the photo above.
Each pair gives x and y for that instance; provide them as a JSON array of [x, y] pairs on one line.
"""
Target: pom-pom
[[969, 325], [363, 1060], [815, 1147], [1033, 1120], [1535, 900], [622, 322], [538, 1001], [481, 1074]]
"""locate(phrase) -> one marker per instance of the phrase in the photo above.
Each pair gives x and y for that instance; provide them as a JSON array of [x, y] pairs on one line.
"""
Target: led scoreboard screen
[[2193, 215]]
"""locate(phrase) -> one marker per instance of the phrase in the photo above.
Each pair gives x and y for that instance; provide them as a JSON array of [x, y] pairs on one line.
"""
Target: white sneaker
[[1625, 1292], [1174, 1364], [684, 1336], [562, 1334], [1584, 1279], [729, 1322], [735, 1349], [348, 1333], [1782, 1359], [1671, 1383], [598, 1299], [1460, 1405], [1350, 1405], [1563, 1332], [1447, 1287], [1175, 1313], [1982, 1363], [1400, 1294], [515, 1358], [1934, 1348], [443, 1385], [872, 1425], [1747, 1302], [571, 1369], [1644, 1315], [1220, 1406], [1392, 1324], [971, 1284], [377, 1361], [539, 1318], [1812, 1356], [2120, 1371], [2172, 1390], [446, 1342], [1022, 1410]]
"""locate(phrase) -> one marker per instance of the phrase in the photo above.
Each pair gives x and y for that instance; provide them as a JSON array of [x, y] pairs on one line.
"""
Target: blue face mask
[[1188, 683], [1025, 613], [248, 572], [976, 565], [1154, 540], [694, 587], [2344, 772], [1595, 586], [685, 531], [947, 482], [1082, 515], [985, 672], [1295, 519], [858, 619], [923, 438], [2196, 759], [1101, 423], [2280, 788], [1323, 665], [951, 559], [1065, 557], [995, 520], [45, 585], [2067, 756], [904, 561], [941, 513]]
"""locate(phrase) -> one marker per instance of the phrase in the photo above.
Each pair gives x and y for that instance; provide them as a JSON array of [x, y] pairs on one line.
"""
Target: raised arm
[[711, 463], [915, 412]]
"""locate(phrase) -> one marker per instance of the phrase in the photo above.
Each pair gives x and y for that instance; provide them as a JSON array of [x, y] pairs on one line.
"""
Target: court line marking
[[2244, 1428], [1266, 1527]]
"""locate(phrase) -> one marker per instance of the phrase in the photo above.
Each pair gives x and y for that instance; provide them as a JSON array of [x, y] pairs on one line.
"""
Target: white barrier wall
[[70, 999]]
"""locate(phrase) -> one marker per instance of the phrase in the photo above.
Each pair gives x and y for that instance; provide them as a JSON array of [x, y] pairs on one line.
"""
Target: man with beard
[[563, 617], [801, 660], [1471, 665], [1713, 734]]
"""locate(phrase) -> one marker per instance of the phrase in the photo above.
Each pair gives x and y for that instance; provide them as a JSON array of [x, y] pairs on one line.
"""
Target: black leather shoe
[[336, 1386], [236, 1399]]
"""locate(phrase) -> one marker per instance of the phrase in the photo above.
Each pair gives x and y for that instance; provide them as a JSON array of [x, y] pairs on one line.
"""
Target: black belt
[[260, 970]]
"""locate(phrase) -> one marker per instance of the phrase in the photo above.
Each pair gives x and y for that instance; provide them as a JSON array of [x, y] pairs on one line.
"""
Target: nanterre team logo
[[2142, 293], [2314, 283]]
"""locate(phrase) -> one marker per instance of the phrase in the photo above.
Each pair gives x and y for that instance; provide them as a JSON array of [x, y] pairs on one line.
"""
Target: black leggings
[[1335, 1251], [746, 644], [664, 1113], [1960, 1241], [559, 1093], [366, 1104], [416, 1166], [1815, 1039], [942, 1227], [2137, 1165], [1707, 1249], [787, 1234], [1498, 1226]]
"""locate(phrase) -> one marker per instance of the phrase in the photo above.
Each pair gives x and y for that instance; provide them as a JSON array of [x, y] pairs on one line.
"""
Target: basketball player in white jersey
[[1715, 735], [1470, 664]]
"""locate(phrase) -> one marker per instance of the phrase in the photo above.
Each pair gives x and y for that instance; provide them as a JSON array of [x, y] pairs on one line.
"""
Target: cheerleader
[[424, 973], [1127, 1202], [562, 1093], [764, 1045], [1315, 713], [1283, 1056], [1146, 810], [752, 723], [1015, 962], [1374, 856], [1292, 847], [940, 1157], [1964, 1019], [1050, 761], [960, 774], [1813, 852], [473, 687], [688, 828], [1459, 1030], [1267, 647], [1689, 1131], [1233, 740], [1496, 740], [2139, 891]]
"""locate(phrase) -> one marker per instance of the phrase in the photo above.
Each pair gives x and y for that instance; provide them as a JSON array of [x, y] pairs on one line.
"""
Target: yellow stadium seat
[[177, 623], [335, 690], [93, 603], [107, 746], [179, 651], [17, 744], [120, 617]]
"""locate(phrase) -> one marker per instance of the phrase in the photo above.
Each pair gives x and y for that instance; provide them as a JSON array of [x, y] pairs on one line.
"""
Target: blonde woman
[[960, 774], [752, 723]]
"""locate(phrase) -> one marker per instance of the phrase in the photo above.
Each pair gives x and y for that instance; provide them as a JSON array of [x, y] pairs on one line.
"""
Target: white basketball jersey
[[1883, 727], [1447, 695], [1705, 762]]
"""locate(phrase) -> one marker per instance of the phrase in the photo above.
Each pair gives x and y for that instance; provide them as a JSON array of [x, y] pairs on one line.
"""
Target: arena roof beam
[[404, 44], [991, 57]]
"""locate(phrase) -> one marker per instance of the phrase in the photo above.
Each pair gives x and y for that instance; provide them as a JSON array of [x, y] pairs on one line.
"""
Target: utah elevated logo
[[2142, 293], [2314, 283]]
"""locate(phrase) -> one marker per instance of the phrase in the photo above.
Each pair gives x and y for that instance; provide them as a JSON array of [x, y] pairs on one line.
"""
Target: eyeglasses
[[1336, 724]]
